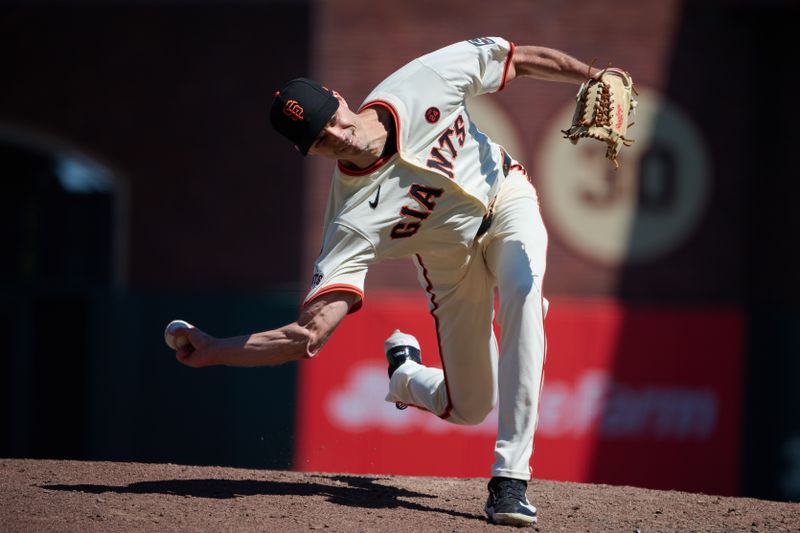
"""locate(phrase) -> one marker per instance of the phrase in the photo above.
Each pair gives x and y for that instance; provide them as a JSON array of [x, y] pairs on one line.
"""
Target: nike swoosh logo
[[374, 203]]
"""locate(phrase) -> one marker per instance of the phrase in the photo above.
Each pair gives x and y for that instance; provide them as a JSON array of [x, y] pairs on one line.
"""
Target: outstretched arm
[[548, 64], [299, 340]]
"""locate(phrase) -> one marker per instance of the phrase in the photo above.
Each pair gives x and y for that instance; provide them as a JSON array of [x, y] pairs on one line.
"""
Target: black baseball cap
[[300, 111]]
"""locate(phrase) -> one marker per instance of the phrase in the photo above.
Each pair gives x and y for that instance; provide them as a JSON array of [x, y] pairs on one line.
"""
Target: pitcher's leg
[[464, 391], [420, 386], [516, 256]]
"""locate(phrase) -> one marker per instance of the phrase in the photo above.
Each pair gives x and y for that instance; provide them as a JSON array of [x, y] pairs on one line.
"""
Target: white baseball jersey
[[428, 201], [430, 197]]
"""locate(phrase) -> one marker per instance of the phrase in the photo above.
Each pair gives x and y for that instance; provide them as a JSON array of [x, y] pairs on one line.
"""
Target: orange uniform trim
[[508, 64], [434, 307], [381, 160], [341, 287]]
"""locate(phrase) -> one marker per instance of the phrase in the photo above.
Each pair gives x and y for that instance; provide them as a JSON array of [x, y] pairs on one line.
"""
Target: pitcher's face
[[340, 138]]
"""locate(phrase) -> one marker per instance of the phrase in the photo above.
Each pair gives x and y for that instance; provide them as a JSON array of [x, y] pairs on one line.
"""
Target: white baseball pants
[[511, 257]]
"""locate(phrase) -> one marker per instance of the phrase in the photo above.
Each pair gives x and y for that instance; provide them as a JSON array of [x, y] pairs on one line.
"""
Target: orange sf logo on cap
[[293, 110]]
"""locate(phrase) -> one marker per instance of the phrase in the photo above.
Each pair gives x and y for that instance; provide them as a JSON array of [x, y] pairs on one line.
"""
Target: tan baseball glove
[[604, 104]]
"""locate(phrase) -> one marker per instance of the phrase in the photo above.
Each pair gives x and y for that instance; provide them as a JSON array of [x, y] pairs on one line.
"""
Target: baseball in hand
[[179, 341]]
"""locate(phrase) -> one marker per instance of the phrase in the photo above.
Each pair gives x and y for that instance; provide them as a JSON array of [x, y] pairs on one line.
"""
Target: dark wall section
[[771, 440], [708, 79], [745, 253], [173, 99], [196, 193], [773, 188], [140, 403], [772, 430], [89, 377]]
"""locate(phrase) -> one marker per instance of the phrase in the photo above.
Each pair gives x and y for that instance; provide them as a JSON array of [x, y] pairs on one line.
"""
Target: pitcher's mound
[[121, 497]]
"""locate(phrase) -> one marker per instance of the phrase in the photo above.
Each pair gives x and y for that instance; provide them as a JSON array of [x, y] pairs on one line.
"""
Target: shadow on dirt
[[350, 491]]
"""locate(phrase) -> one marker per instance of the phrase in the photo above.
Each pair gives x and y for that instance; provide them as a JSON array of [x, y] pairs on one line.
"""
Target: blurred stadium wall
[[142, 183]]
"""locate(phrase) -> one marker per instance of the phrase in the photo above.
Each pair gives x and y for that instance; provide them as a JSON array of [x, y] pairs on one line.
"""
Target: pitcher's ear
[[342, 101]]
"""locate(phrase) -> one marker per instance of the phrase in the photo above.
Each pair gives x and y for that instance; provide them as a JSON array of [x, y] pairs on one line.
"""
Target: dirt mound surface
[[114, 497]]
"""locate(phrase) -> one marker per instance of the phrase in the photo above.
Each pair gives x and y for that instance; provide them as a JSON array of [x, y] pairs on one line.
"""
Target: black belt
[[486, 223]]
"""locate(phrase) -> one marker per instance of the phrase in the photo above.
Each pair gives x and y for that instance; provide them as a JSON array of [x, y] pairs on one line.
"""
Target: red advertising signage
[[639, 395]]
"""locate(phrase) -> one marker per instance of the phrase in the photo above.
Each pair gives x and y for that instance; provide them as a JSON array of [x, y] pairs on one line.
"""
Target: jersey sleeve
[[342, 264], [476, 66]]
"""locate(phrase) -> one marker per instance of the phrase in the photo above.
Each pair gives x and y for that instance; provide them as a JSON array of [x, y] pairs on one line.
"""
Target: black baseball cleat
[[399, 348], [508, 504]]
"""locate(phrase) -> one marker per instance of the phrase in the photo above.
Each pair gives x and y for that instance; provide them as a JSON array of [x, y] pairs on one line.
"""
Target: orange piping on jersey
[[435, 306], [508, 64], [381, 160], [364, 171], [343, 287], [521, 169]]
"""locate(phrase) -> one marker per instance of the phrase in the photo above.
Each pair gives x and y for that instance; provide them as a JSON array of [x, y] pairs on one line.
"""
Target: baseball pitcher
[[416, 178]]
